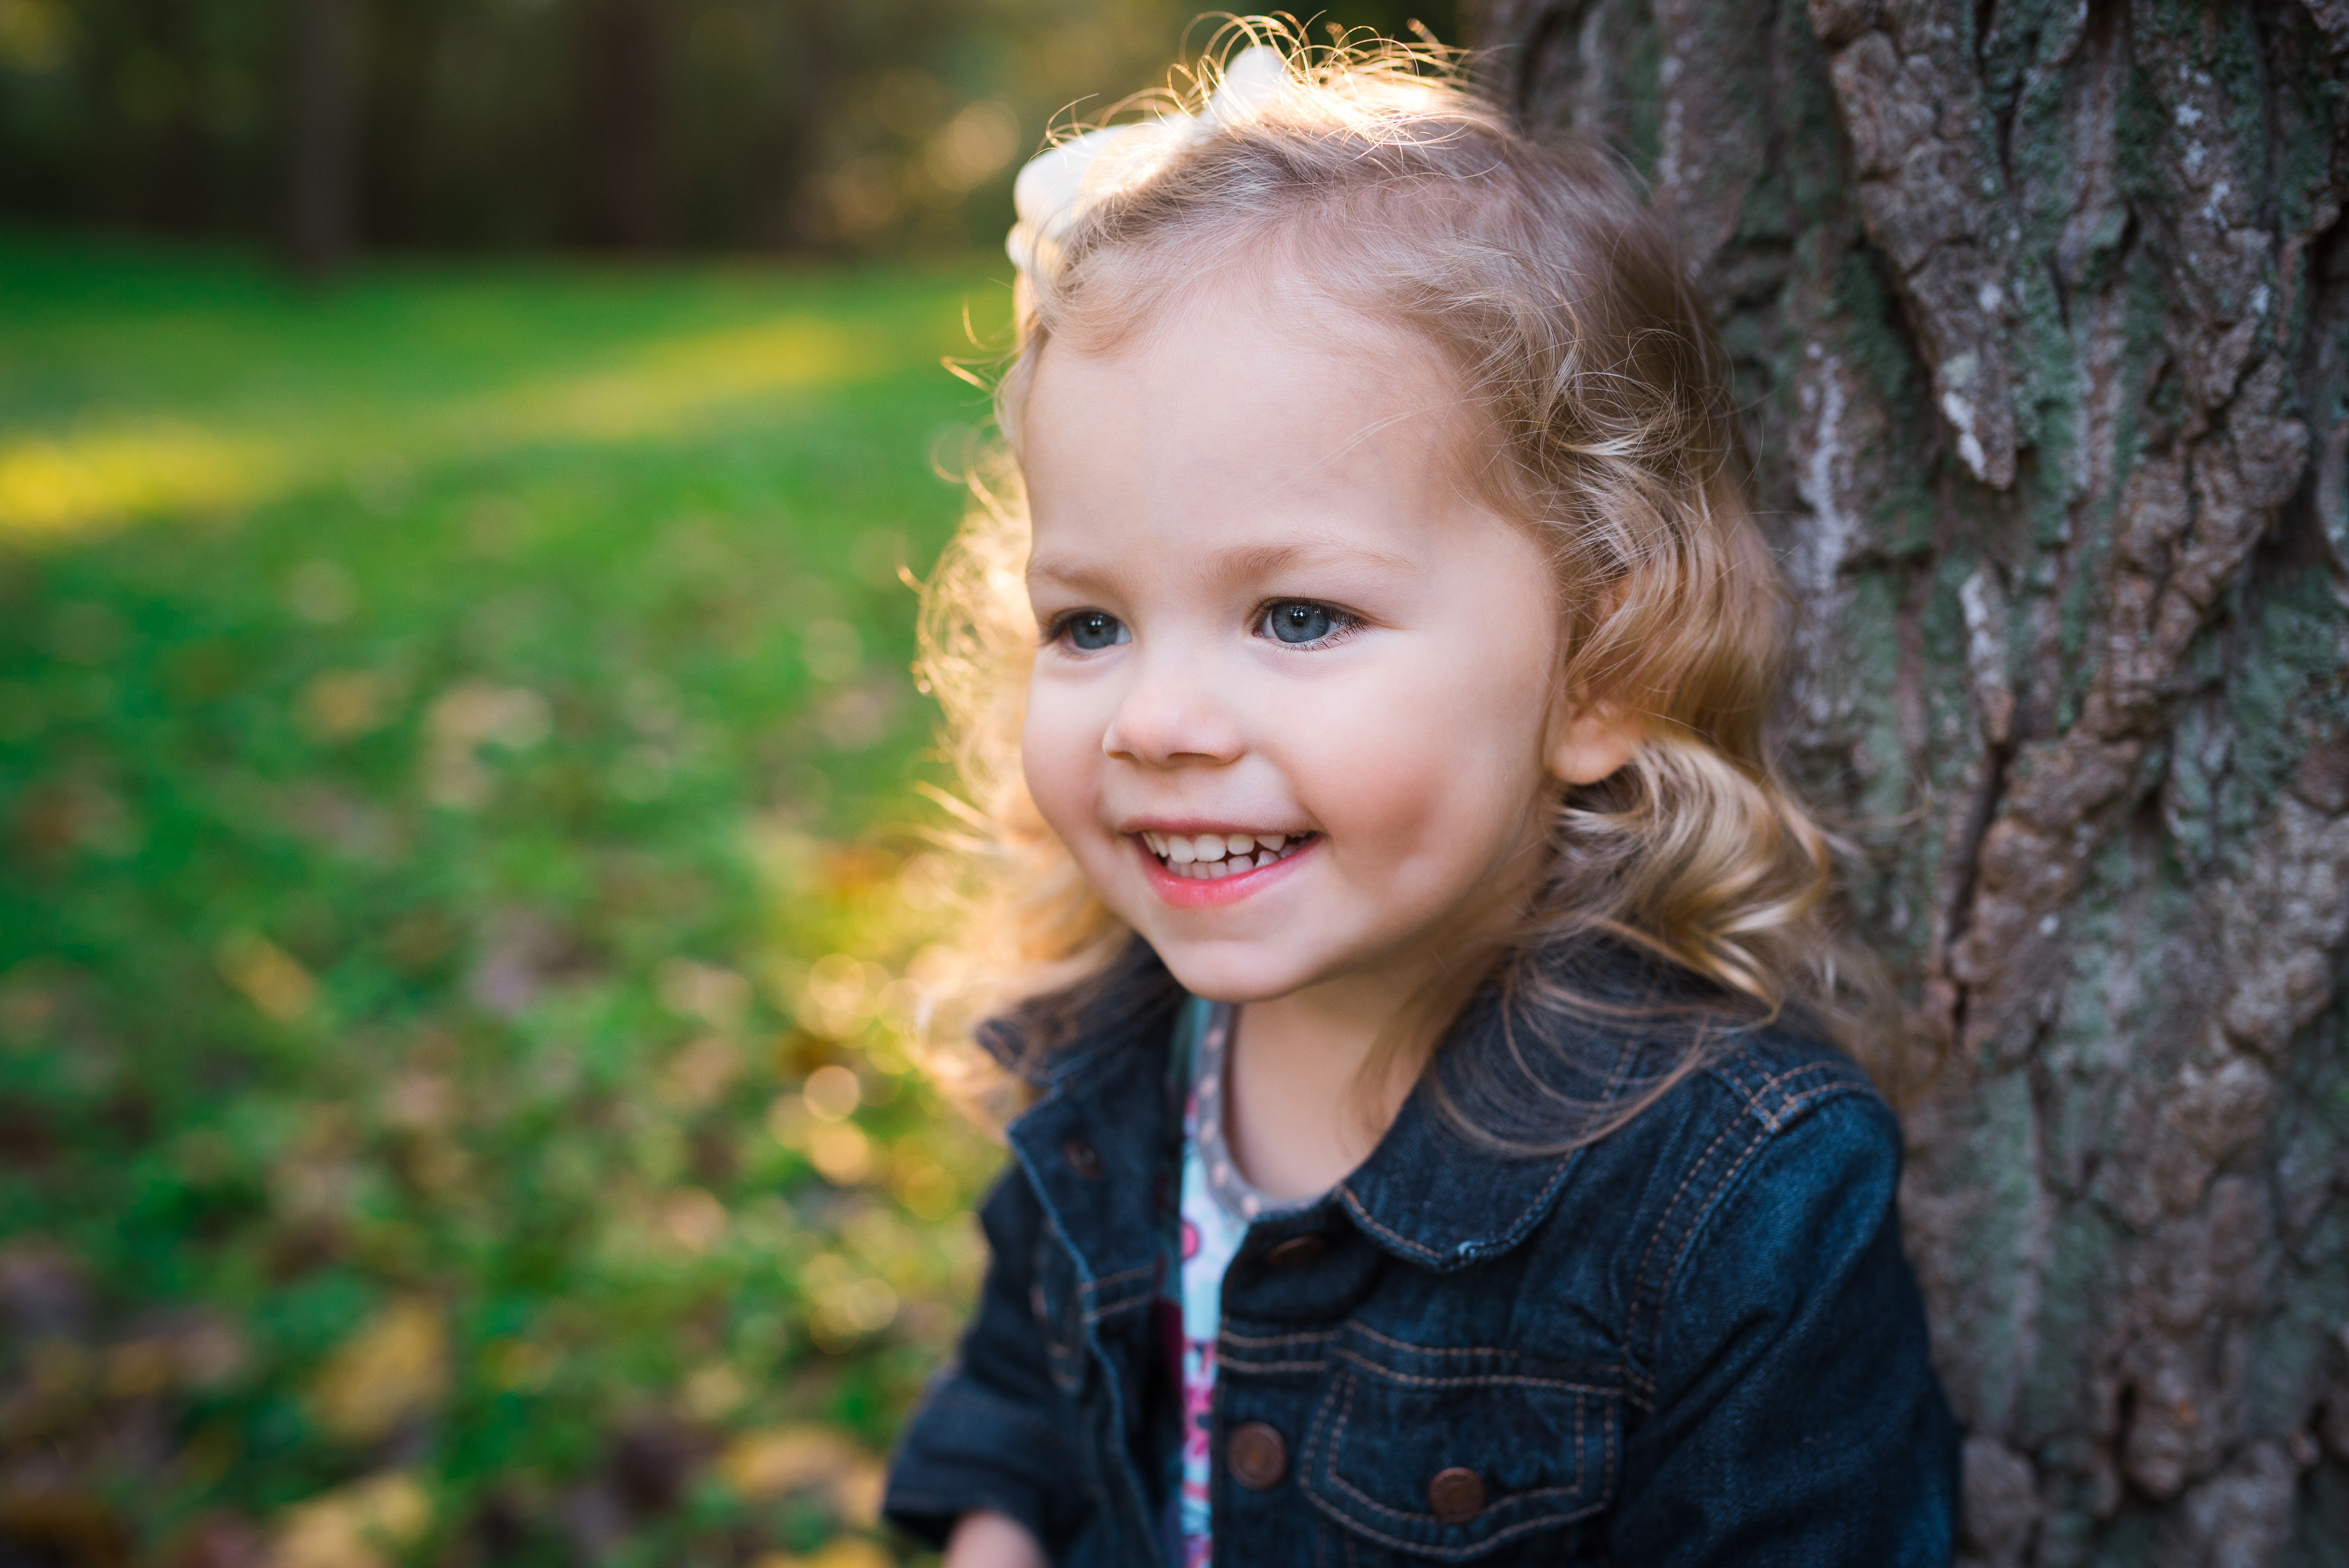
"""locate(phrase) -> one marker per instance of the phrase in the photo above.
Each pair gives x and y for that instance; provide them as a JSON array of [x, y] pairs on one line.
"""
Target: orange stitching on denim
[[1354, 1206], [1367, 1331], [1642, 1390], [1540, 1521], [1607, 1486], [1345, 1407], [1417, 1549], [1557, 1176], [1770, 1124], [1123, 1303], [1340, 1483], [1721, 1186], [1639, 1279], [1332, 1478], [1258, 1341], [1493, 1541], [1754, 1097], [1119, 1277], [1472, 1380], [1833, 1075], [1314, 1427]]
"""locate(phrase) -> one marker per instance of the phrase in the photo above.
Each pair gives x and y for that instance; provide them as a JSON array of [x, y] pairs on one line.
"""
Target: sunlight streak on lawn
[[664, 385], [54, 487]]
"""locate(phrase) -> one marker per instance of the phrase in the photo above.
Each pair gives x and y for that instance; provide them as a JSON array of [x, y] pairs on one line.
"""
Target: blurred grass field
[[460, 869]]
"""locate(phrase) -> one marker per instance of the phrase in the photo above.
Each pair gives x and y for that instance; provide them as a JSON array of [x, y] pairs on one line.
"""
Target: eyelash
[[1344, 624], [1057, 632]]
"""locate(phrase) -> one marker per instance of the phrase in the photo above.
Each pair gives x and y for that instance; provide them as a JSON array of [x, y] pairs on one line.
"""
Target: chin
[[1238, 973]]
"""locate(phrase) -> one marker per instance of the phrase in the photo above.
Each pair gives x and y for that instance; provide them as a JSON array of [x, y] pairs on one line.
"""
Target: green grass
[[456, 753]]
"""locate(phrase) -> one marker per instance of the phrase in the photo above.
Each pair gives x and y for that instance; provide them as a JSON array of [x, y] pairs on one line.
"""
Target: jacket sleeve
[[988, 1433], [1797, 1418]]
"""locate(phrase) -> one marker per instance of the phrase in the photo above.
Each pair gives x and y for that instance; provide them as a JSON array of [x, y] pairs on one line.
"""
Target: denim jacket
[[1695, 1341]]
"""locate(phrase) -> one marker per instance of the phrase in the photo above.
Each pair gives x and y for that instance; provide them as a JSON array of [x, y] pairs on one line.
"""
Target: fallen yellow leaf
[[268, 975], [361, 1525], [395, 1367], [848, 1551], [768, 1464]]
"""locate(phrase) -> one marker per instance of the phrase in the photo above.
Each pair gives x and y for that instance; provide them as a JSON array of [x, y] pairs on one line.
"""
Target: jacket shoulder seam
[[1768, 1109]]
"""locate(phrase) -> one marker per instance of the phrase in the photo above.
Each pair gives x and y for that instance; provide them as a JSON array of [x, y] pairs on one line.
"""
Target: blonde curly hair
[[1397, 193]]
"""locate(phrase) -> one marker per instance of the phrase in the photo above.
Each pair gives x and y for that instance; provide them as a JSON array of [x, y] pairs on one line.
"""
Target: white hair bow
[[1058, 183]]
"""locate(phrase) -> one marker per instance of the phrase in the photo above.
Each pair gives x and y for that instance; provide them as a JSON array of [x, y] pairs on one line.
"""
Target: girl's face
[[1292, 712]]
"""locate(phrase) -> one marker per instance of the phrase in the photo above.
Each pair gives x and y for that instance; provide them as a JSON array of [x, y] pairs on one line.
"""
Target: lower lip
[[1193, 893]]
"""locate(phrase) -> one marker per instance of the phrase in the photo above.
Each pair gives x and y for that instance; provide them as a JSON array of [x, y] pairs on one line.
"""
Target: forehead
[[1240, 401]]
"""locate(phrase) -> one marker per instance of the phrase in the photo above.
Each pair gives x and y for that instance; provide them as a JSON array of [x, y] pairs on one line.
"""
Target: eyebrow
[[1239, 561]]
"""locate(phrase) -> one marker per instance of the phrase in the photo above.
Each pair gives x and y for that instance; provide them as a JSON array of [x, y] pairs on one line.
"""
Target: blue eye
[[1303, 621], [1089, 631]]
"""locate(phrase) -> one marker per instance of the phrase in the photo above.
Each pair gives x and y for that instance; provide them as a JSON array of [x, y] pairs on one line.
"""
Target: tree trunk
[[810, 78], [323, 142], [624, 83], [2041, 313]]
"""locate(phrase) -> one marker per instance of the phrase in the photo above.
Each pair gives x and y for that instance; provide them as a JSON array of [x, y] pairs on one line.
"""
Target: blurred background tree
[[879, 127]]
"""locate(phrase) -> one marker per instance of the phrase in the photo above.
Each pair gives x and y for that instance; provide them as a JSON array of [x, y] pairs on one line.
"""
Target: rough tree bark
[[2041, 313], [323, 134]]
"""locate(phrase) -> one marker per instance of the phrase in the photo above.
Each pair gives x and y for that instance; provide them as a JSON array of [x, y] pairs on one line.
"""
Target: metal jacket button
[[1083, 1158], [1456, 1495], [1296, 1250], [1257, 1455]]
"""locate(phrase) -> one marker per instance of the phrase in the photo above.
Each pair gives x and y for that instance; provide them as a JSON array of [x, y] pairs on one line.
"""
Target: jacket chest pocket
[[1450, 1455]]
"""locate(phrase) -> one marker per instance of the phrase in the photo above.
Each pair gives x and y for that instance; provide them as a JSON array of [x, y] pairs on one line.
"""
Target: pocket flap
[[1452, 1453]]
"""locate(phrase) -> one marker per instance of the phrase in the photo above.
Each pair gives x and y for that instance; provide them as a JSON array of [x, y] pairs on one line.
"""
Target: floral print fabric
[[1213, 1213]]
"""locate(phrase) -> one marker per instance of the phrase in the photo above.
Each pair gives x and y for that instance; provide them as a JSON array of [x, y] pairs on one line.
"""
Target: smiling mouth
[[1210, 857]]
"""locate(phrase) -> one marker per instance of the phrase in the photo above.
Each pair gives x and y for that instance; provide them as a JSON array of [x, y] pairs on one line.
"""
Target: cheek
[[1430, 757], [1060, 757]]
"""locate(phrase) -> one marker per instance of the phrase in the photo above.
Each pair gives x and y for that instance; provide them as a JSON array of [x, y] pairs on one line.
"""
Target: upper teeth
[[1182, 848]]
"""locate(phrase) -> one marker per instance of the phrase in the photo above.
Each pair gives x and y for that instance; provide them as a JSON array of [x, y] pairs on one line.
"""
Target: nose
[[1171, 716]]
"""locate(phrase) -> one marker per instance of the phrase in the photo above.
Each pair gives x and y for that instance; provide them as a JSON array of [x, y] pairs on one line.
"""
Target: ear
[[1586, 743]]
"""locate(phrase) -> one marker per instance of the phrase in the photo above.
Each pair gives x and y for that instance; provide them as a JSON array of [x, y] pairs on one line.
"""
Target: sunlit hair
[[1381, 185]]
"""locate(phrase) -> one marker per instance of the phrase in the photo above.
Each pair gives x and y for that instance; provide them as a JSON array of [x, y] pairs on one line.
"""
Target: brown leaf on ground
[[47, 1520], [223, 1538], [652, 1463]]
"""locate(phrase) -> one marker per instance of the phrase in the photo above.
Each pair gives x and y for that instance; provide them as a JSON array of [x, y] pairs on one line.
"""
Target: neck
[[1317, 1077]]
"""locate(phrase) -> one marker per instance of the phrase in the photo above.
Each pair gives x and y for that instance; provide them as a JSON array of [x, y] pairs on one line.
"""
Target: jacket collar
[[1430, 1194], [1095, 1142], [1440, 1196]]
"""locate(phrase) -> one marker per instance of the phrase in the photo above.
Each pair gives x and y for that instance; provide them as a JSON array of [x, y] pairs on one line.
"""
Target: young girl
[[1435, 1152]]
